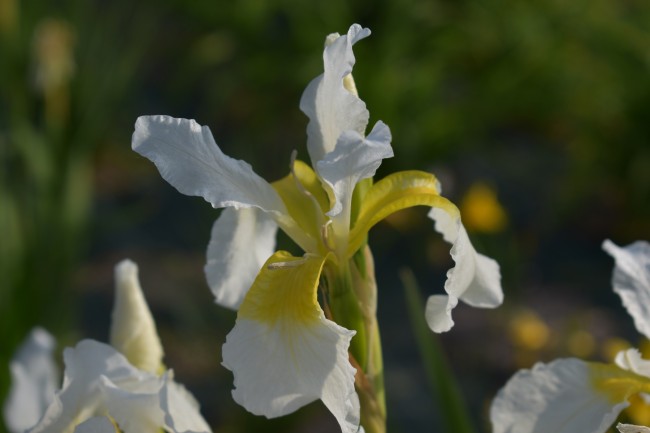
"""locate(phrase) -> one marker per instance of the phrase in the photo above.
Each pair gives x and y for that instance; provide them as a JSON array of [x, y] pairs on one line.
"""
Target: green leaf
[[441, 378]]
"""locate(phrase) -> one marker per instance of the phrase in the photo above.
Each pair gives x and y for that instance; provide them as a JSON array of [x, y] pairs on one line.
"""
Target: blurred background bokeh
[[534, 115]]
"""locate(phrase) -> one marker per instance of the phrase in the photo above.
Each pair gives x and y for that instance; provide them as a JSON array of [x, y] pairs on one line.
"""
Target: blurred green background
[[534, 115]]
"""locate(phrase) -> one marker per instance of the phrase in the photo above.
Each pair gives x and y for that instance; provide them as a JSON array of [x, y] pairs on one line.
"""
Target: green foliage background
[[546, 101]]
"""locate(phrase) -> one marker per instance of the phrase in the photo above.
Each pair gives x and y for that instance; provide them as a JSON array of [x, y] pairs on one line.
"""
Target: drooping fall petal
[[565, 396], [475, 279], [283, 352]]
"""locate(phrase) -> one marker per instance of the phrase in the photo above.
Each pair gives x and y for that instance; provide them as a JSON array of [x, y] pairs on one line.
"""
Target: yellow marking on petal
[[285, 290], [615, 383], [395, 192], [305, 199]]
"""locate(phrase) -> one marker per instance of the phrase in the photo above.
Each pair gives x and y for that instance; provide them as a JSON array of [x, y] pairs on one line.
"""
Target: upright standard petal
[[565, 396], [190, 160], [331, 108], [475, 280], [133, 330], [283, 352], [631, 280], [241, 241], [355, 157], [34, 379]]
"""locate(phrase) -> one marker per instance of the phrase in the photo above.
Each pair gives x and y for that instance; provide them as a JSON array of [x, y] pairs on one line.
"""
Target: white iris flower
[[570, 395], [284, 352], [106, 388]]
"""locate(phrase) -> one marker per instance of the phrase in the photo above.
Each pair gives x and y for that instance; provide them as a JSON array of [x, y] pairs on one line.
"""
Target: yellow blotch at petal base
[[614, 382], [305, 199], [285, 291], [395, 192]]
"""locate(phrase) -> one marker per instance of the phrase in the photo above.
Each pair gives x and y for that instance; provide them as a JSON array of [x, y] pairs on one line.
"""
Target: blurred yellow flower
[[528, 331], [482, 211]]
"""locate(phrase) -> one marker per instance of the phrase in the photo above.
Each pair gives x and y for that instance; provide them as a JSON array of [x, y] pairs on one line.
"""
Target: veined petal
[[395, 192], [331, 108], [476, 279], [565, 396], [133, 330], [241, 241], [354, 158], [190, 160], [283, 352], [34, 379], [631, 280], [97, 424]]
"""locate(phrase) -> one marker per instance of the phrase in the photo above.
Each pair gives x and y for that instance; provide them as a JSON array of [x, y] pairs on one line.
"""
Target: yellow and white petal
[[133, 330], [190, 160], [395, 192], [564, 396], [283, 352], [34, 379], [631, 280], [475, 279], [97, 424], [630, 428], [331, 108], [241, 241], [354, 158]]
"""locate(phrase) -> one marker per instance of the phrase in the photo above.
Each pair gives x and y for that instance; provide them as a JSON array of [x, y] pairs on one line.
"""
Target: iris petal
[[393, 193], [475, 279], [241, 241], [283, 352], [631, 280], [565, 396], [331, 108], [34, 378]]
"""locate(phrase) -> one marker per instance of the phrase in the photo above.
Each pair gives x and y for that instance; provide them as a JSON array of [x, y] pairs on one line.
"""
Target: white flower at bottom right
[[570, 395]]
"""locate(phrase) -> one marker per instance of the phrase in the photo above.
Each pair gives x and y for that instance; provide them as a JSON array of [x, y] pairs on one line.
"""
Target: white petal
[[438, 312], [134, 405], [241, 241], [475, 279], [34, 379], [100, 380], [553, 398], [354, 158], [280, 368], [133, 330], [631, 280], [631, 360], [188, 158], [97, 424], [630, 428], [330, 107], [181, 409]]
